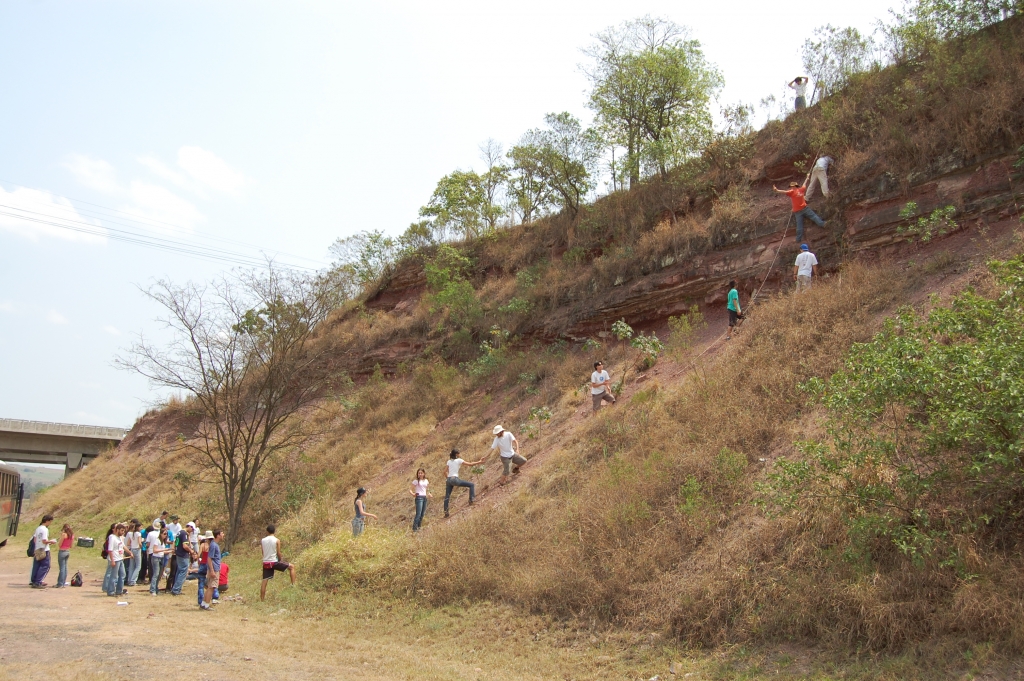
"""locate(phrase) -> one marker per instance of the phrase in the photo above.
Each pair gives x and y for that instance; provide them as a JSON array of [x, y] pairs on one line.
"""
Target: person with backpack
[[183, 556], [67, 536], [103, 554], [39, 549]]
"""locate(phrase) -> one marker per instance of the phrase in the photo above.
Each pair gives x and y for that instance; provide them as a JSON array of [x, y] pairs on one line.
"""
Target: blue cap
[[803, 247]]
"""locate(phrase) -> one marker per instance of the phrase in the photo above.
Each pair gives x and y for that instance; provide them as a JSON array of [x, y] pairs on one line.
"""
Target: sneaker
[[472, 501], [446, 514], [215, 602], [515, 470], [204, 606]]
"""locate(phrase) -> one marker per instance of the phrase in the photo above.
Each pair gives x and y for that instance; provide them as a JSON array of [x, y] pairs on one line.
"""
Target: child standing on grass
[[418, 490], [358, 524]]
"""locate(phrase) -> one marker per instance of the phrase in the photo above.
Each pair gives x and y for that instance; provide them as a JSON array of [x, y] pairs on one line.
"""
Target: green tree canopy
[[457, 205], [652, 89]]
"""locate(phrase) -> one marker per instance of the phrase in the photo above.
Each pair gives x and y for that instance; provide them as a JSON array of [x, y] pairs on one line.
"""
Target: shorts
[[733, 316], [268, 572], [602, 397], [514, 459]]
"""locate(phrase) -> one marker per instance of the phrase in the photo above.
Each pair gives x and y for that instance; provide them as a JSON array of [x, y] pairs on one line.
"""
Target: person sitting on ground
[[806, 266], [508, 451], [800, 208], [799, 84], [41, 553], [212, 567], [600, 386], [358, 524], [735, 311], [452, 479], [819, 175], [419, 492], [273, 560]]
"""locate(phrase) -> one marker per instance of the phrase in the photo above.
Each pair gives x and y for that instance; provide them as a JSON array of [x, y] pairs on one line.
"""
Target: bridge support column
[[74, 463]]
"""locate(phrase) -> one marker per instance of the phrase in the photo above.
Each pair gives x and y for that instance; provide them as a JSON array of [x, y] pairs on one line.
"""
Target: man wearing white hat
[[508, 451]]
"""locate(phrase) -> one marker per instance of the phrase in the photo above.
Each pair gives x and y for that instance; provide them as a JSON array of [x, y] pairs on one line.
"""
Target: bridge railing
[[73, 429]]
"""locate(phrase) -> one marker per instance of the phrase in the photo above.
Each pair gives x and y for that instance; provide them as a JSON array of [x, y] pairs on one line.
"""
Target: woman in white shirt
[[158, 548], [115, 561], [418, 490], [134, 541]]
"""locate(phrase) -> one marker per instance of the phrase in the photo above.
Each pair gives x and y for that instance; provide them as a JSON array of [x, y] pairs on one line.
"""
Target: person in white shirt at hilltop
[[115, 561], [41, 553], [452, 479], [273, 560], [600, 386], [806, 266], [508, 451], [800, 85], [819, 175]]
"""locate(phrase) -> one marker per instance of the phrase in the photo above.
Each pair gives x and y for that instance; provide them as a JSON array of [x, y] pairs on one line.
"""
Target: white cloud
[[161, 204], [161, 170], [112, 330], [93, 173], [55, 317], [211, 170], [32, 213]]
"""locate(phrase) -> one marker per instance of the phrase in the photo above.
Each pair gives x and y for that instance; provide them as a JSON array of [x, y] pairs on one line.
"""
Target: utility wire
[[150, 223]]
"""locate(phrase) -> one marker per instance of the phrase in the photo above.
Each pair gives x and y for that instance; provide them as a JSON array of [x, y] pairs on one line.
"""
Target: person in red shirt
[[800, 208]]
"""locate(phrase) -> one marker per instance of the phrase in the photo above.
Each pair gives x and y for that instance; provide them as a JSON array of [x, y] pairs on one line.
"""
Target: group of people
[[161, 552]]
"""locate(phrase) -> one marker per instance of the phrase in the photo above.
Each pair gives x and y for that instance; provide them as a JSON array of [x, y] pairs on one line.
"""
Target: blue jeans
[[62, 564], [134, 567], [421, 508], [179, 576], [154, 573], [202, 589], [40, 568], [116, 573], [800, 215], [108, 576], [452, 483]]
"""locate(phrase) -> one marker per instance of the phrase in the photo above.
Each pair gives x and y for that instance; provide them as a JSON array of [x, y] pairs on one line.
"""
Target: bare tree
[[244, 349]]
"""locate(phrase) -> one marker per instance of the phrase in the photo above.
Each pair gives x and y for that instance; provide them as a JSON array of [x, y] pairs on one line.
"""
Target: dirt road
[[81, 634]]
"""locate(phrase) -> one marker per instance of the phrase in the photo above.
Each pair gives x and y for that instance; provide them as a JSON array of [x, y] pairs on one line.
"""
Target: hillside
[[651, 515]]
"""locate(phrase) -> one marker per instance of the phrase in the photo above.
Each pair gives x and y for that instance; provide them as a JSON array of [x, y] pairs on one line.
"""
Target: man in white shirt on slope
[[819, 175], [600, 386], [508, 451], [806, 266]]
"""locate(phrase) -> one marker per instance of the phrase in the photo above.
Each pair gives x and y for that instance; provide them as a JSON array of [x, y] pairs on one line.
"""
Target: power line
[[169, 245], [146, 222]]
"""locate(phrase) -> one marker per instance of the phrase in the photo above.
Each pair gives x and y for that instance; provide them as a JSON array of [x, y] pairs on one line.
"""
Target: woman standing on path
[[358, 523], [63, 553], [418, 490], [115, 561], [160, 546]]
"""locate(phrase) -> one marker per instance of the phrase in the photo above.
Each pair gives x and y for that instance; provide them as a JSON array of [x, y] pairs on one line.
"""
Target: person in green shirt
[[735, 312]]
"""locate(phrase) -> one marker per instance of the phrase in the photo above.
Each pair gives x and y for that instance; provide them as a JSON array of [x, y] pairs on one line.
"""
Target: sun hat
[[174, 517], [190, 524], [497, 430], [157, 525], [803, 247], [208, 535]]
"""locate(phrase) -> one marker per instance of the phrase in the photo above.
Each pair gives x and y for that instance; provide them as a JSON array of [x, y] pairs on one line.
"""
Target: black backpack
[[31, 547], [77, 579]]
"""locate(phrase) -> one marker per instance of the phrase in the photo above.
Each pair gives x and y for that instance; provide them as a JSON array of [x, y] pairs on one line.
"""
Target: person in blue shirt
[[212, 567], [735, 311]]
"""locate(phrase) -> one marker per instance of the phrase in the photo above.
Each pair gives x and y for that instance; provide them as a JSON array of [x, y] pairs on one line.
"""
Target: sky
[[252, 129]]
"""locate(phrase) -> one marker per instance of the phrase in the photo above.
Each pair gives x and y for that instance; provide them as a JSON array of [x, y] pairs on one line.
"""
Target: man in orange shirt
[[800, 208]]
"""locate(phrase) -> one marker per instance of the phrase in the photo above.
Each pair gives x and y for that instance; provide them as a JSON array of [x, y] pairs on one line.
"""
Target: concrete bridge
[[58, 443]]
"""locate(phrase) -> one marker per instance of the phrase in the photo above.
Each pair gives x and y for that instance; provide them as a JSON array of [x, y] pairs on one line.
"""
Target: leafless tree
[[244, 348]]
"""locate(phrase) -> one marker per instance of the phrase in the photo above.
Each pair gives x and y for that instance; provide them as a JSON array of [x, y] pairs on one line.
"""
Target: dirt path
[[81, 634]]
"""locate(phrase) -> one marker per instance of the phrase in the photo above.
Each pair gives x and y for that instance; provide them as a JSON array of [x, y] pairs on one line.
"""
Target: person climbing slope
[[819, 175], [733, 305], [600, 386], [452, 479], [805, 267], [508, 451], [273, 560], [800, 208]]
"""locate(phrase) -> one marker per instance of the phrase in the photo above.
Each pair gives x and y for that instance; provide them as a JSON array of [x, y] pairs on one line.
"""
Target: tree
[[451, 292], [566, 157], [457, 205], [652, 89], [836, 55], [493, 181], [368, 256], [243, 348], [530, 194], [927, 23]]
